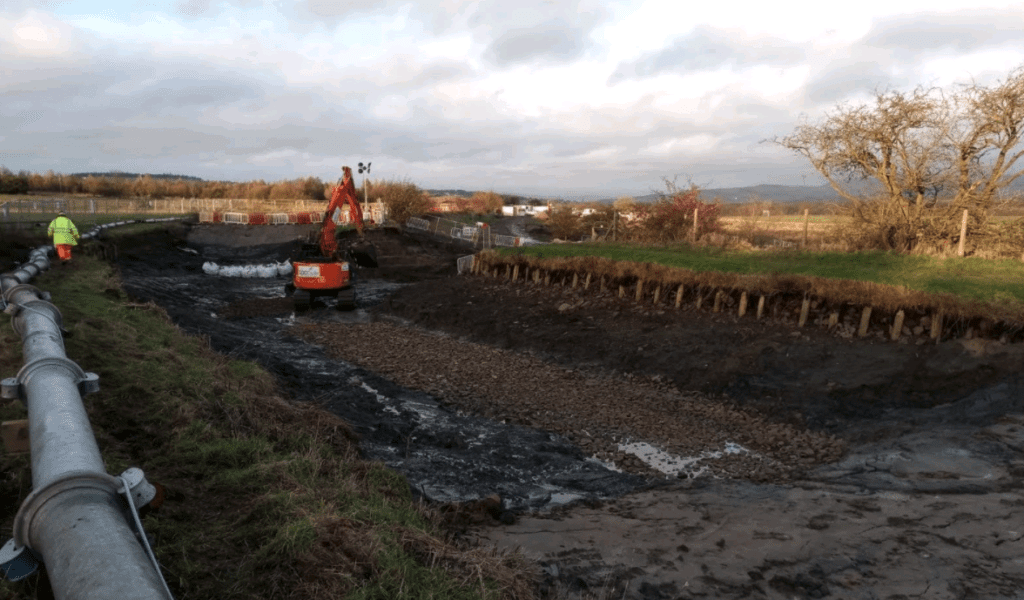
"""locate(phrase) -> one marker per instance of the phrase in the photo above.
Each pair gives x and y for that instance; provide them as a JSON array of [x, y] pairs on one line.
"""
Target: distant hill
[[741, 195], [785, 193], [461, 193], [135, 175]]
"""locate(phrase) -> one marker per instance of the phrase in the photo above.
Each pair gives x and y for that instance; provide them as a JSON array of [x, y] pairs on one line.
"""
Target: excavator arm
[[362, 253]]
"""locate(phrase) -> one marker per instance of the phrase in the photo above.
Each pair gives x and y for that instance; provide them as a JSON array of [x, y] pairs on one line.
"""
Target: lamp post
[[366, 193]]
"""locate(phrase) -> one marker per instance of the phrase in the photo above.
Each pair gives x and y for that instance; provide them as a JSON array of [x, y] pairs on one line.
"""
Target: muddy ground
[[645, 452]]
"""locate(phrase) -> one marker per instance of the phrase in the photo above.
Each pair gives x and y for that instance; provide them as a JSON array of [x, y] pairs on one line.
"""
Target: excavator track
[[301, 300], [346, 299]]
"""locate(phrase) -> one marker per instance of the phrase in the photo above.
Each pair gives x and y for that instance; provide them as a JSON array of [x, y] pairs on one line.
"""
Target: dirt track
[[918, 495]]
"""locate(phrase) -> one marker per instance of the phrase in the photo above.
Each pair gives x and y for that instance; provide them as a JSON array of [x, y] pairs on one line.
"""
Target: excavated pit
[[715, 457], [446, 455]]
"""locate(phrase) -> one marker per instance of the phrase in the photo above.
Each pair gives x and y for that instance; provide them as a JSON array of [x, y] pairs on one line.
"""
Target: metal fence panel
[[417, 223], [237, 218]]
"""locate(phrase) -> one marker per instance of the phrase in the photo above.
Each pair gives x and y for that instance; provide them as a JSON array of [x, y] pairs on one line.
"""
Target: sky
[[573, 99]]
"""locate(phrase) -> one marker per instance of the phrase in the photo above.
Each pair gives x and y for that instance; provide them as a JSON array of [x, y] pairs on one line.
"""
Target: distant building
[[521, 210], [444, 204]]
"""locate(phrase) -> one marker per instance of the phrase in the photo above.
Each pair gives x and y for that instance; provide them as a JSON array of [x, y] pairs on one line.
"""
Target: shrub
[[488, 202], [670, 219], [564, 223], [13, 184], [402, 199]]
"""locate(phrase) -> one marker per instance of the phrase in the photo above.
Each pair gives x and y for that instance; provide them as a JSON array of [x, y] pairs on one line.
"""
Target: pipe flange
[[21, 287], [39, 304], [76, 480]]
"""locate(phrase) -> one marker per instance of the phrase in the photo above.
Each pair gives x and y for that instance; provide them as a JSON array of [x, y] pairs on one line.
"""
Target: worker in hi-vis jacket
[[64, 234]]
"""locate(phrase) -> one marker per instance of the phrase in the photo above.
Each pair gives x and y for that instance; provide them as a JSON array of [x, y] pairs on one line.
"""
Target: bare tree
[[928, 155]]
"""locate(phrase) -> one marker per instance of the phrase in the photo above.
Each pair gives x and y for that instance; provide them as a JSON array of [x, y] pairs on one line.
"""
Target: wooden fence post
[[657, 294], [718, 301], [937, 325], [679, 296], [622, 291], [807, 213], [743, 304], [575, 279], [639, 289], [515, 273], [897, 326], [586, 282], [805, 308], [695, 225], [963, 235], [865, 320], [760, 307]]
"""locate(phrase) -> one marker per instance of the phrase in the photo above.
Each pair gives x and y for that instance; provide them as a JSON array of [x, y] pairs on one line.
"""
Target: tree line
[[155, 187]]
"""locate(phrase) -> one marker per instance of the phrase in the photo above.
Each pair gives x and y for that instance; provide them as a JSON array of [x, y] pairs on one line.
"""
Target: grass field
[[990, 281]]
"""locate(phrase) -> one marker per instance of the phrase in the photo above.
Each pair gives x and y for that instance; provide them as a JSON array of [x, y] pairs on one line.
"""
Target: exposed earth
[[640, 451]]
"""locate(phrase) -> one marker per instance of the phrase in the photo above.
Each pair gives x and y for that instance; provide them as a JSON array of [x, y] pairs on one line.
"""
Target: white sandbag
[[284, 269]]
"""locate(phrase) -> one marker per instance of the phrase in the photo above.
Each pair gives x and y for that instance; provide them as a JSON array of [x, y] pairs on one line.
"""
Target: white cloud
[[555, 94]]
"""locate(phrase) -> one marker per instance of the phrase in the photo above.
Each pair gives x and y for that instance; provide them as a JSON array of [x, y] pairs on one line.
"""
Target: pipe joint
[[14, 387], [72, 483], [21, 288]]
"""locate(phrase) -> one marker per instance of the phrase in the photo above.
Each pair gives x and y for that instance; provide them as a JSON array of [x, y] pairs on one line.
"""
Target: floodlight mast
[[366, 192]]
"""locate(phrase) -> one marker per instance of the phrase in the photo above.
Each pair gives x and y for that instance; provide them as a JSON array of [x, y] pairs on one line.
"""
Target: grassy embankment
[[967, 286], [267, 498]]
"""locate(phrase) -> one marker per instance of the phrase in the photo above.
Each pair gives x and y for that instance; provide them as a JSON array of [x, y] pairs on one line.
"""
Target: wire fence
[[479, 236]]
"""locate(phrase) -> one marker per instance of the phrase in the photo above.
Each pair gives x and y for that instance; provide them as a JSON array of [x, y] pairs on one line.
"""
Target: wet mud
[[924, 501], [895, 468], [446, 455]]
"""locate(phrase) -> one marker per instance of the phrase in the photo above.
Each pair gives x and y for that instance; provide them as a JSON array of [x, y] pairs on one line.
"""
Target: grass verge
[[973, 283], [267, 498]]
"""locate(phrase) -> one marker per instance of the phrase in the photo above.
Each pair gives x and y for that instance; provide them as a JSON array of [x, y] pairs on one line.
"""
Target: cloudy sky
[[566, 98]]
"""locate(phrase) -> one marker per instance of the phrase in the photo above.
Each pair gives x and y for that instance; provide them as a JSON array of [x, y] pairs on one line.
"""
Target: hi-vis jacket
[[63, 231]]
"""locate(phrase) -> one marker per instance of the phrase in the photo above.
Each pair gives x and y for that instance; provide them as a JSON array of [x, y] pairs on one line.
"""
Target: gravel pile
[[598, 413]]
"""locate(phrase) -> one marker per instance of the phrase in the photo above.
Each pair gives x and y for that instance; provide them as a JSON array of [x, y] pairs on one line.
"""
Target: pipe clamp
[[14, 387], [17, 562]]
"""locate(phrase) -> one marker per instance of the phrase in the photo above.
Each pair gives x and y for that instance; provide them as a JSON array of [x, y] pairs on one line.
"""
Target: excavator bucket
[[363, 253]]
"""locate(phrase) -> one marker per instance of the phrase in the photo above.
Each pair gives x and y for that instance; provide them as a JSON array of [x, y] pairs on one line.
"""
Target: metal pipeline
[[73, 519]]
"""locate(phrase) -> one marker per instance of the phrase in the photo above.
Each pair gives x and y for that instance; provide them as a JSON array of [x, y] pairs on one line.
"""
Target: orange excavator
[[322, 268]]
